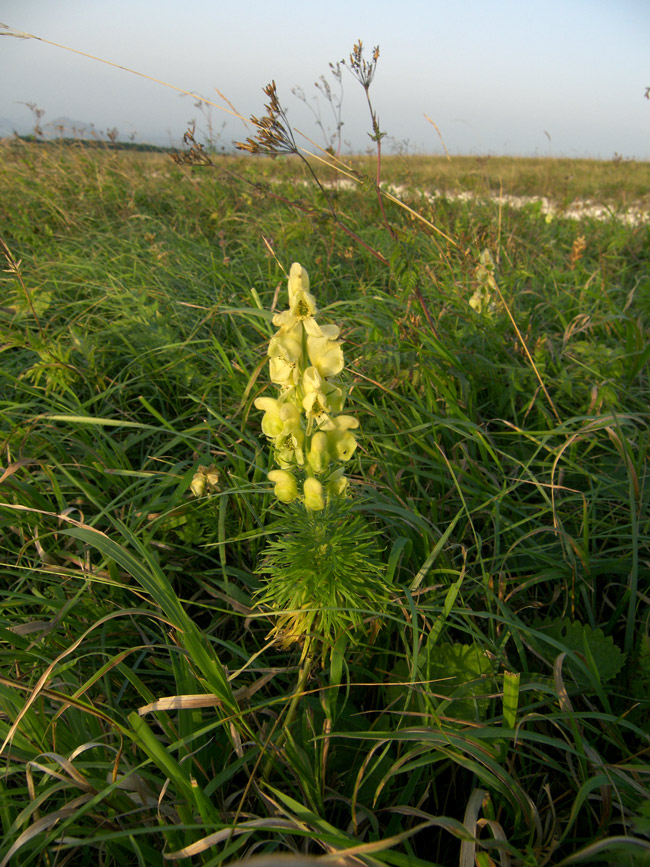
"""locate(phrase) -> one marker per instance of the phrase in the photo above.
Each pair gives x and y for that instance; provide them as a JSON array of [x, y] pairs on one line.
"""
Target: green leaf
[[462, 673], [457, 677], [598, 651]]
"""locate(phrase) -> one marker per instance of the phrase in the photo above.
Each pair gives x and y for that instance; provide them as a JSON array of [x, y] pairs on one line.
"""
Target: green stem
[[377, 136], [306, 660]]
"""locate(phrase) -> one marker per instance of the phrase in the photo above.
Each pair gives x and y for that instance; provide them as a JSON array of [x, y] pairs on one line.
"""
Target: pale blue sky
[[496, 77]]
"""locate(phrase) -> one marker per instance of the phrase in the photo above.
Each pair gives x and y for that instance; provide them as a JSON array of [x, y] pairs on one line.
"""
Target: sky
[[500, 77]]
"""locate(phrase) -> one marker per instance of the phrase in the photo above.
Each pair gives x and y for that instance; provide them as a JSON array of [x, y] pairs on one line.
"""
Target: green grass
[[618, 183], [503, 461]]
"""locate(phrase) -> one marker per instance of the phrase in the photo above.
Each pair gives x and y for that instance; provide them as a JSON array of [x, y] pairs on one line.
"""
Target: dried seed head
[[363, 70], [274, 135], [196, 155]]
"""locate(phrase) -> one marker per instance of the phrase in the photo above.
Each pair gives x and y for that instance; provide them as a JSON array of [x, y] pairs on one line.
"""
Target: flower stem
[[306, 660]]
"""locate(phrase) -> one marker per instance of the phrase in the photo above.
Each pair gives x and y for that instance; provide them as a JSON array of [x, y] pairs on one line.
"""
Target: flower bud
[[286, 488], [298, 281], [337, 485], [313, 491], [319, 456]]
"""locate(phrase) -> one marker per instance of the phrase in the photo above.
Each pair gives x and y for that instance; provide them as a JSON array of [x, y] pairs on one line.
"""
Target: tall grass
[[499, 713]]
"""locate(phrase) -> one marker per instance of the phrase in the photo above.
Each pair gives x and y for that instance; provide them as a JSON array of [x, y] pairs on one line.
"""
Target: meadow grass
[[498, 713]]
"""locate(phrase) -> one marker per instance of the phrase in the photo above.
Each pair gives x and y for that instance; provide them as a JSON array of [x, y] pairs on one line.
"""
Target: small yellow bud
[[286, 489], [337, 486], [298, 281], [319, 456], [313, 491]]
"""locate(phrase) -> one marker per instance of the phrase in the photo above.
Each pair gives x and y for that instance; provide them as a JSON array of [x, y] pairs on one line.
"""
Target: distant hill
[[67, 129], [95, 143]]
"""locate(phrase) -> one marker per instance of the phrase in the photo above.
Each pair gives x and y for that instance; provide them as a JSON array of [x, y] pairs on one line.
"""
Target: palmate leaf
[[460, 677], [596, 649], [462, 673]]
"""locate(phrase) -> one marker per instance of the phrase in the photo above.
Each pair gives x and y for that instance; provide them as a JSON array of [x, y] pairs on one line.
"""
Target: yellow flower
[[285, 350], [341, 442], [479, 300], [301, 312], [325, 351], [321, 397], [281, 423], [205, 477], [279, 416], [286, 488], [289, 448], [197, 485]]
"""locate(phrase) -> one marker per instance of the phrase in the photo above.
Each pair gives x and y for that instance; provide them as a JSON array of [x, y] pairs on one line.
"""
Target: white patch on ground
[[578, 210]]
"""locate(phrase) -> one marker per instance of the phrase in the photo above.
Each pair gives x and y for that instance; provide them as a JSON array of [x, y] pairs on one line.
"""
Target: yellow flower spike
[[302, 423], [319, 455], [286, 487], [313, 494]]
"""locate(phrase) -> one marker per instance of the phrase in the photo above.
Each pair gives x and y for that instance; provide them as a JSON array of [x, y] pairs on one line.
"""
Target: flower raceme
[[324, 570], [309, 437]]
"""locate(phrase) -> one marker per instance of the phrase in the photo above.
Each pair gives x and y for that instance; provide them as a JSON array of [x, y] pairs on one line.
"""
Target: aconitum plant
[[325, 578]]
